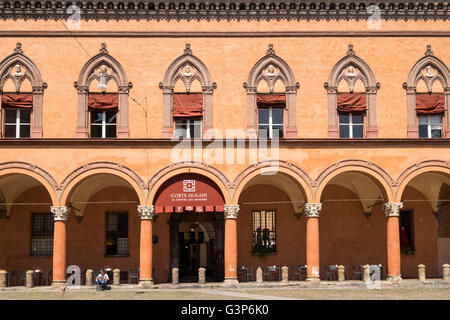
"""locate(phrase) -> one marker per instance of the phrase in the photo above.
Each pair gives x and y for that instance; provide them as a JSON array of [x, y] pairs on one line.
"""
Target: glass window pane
[[423, 120], [344, 118], [277, 116], [358, 131], [344, 131], [10, 115], [25, 116], [357, 118], [435, 119], [196, 129], [436, 133], [263, 116], [277, 130], [111, 117], [423, 131], [25, 131], [96, 131], [96, 117], [10, 131], [263, 132], [111, 131]]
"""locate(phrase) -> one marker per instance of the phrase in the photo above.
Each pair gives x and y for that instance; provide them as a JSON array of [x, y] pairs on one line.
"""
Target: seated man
[[102, 280]]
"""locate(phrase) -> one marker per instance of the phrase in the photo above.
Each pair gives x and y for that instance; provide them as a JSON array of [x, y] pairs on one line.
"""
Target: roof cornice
[[225, 10]]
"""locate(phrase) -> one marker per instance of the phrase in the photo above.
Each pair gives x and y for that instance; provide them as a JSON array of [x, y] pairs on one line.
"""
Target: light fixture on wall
[[299, 211], [367, 214], [79, 216]]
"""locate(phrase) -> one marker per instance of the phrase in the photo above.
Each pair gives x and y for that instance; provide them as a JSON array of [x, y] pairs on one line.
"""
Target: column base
[[313, 279], [146, 283], [231, 282], [58, 283], [394, 278]]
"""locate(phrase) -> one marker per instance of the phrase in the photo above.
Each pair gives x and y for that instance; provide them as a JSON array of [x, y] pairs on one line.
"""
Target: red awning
[[17, 100], [430, 103], [103, 101], [187, 105], [190, 192], [351, 102], [271, 100]]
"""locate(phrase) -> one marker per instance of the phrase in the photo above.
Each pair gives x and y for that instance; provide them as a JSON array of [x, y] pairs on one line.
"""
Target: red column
[[230, 215], [312, 241], [392, 210], [146, 246], [59, 245]]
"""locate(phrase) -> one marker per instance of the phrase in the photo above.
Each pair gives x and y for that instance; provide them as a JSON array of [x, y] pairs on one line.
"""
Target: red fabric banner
[[189, 192], [271, 100], [17, 100], [187, 105], [351, 102], [430, 103], [103, 101]]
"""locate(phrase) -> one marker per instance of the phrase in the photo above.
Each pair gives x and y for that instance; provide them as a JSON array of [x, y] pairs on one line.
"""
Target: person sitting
[[102, 280]]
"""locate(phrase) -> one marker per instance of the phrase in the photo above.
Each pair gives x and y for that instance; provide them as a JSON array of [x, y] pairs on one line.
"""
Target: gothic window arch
[[111, 93], [428, 92], [189, 82], [352, 89], [271, 81], [22, 89]]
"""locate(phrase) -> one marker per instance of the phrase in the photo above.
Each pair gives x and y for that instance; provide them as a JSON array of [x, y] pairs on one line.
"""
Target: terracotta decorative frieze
[[226, 10], [392, 209], [146, 212], [60, 213], [230, 211], [312, 210]]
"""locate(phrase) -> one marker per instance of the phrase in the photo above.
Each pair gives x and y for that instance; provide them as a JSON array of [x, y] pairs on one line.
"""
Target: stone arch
[[35, 172], [286, 75], [87, 75], [417, 169], [291, 170], [174, 73], [70, 183], [366, 75], [189, 167], [415, 75], [375, 172], [30, 73]]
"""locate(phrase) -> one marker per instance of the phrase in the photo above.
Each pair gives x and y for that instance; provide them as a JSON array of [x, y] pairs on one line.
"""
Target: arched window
[[428, 98], [187, 97], [271, 93], [352, 92], [102, 103], [22, 91]]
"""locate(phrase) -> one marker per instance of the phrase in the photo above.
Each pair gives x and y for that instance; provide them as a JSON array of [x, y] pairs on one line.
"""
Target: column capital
[[146, 212], [312, 209], [60, 213], [392, 209], [230, 211]]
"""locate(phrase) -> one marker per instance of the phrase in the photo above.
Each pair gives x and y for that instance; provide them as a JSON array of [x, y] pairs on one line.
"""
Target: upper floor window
[[427, 98], [352, 91], [21, 89], [188, 129], [270, 122], [103, 91]]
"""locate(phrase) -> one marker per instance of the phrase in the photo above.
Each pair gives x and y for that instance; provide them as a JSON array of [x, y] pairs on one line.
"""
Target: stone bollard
[[29, 278], [175, 276], [201, 275], [259, 275], [446, 272], [116, 277], [341, 273], [421, 272], [285, 274], [3, 278], [89, 274], [366, 272]]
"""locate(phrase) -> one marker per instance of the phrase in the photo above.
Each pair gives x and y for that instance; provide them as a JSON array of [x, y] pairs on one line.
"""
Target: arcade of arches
[[189, 219]]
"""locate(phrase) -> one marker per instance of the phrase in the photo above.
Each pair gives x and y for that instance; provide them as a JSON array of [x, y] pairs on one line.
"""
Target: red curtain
[[351, 102], [187, 105], [271, 100], [103, 101], [17, 100], [430, 103]]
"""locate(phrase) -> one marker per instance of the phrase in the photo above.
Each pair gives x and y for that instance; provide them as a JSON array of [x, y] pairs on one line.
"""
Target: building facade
[[220, 134]]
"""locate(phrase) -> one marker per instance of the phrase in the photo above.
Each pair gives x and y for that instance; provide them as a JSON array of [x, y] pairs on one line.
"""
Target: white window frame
[[103, 124], [271, 124], [188, 126], [351, 125], [429, 125], [17, 124]]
